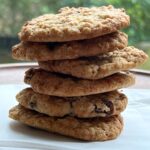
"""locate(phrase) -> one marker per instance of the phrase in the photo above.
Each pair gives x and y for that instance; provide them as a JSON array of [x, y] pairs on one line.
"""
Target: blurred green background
[[13, 14]]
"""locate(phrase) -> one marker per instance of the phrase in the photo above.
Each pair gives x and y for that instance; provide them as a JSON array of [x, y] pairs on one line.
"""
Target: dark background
[[13, 14]]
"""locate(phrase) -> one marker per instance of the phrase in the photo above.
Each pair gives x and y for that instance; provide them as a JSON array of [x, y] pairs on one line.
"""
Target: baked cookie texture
[[100, 105], [39, 51], [83, 58], [85, 129], [99, 66], [66, 86], [74, 24]]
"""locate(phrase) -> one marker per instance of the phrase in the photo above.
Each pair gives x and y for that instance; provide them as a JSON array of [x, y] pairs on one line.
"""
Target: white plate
[[136, 133]]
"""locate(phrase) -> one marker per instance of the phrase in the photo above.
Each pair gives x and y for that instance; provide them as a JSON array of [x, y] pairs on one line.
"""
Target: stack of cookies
[[83, 60]]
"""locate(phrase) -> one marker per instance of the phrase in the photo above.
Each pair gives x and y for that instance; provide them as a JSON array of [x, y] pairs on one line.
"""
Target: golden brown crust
[[61, 85], [85, 129], [99, 66], [69, 50], [75, 24], [100, 105]]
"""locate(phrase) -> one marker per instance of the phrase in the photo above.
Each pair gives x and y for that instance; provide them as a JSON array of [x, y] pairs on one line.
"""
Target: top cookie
[[74, 24]]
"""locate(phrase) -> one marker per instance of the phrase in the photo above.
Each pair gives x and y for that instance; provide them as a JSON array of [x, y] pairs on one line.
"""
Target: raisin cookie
[[39, 51], [99, 105], [66, 86], [99, 66], [91, 129]]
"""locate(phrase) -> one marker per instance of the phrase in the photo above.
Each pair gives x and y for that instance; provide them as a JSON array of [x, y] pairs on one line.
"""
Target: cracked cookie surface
[[99, 105], [99, 66], [93, 129], [39, 51], [66, 86], [75, 24]]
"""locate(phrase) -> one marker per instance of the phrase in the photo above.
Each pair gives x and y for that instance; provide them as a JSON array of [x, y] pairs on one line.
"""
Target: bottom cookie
[[92, 129]]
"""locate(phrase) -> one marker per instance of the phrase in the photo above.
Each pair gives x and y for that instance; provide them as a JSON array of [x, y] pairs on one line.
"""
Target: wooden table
[[14, 74]]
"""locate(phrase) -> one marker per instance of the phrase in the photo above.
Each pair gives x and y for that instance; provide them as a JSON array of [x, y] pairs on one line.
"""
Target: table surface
[[14, 74]]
